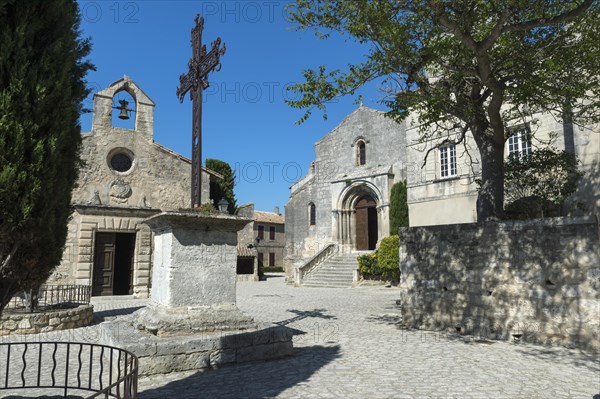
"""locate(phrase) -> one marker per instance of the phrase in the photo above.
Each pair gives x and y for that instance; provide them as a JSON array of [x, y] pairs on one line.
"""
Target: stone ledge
[[200, 352]]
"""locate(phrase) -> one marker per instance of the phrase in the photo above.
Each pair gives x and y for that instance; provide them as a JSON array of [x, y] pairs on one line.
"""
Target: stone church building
[[126, 177], [342, 204]]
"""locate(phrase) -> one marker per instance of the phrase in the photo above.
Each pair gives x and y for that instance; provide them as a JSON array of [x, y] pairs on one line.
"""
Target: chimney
[[277, 210]]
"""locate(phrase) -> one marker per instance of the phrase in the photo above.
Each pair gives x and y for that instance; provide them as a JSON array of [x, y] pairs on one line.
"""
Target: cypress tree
[[42, 86], [398, 207], [224, 188]]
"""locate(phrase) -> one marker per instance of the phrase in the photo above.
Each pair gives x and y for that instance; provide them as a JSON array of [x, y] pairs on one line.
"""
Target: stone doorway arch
[[358, 216]]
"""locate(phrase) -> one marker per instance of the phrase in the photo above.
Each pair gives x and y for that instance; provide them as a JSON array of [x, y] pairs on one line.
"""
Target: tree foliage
[[223, 188], [398, 207], [42, 70], [540, 182], [463, 66]]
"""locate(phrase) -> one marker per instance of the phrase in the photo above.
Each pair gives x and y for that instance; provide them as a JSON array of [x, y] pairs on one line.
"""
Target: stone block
[[9, 325], [221, 357]]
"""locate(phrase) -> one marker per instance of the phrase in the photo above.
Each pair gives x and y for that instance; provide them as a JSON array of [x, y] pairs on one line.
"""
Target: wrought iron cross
[[200, 65]]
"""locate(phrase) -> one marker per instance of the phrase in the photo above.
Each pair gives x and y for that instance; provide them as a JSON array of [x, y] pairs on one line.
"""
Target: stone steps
[[336, 272]]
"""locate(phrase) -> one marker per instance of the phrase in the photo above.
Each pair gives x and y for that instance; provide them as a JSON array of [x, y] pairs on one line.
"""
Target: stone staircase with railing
[[335, 271]]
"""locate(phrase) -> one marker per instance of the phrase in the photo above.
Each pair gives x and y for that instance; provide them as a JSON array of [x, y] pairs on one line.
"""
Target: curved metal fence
[[68, 368], [51, 297]]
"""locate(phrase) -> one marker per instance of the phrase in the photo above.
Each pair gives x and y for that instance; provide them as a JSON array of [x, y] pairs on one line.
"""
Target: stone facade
[[271, 247], [41, 322], [435, 199], [268, 249], [355, 166], [538, 281], [247, 261], [126, 177]]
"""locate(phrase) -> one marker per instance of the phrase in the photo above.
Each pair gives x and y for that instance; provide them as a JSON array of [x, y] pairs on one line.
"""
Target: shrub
[[367, 265], [388, 258], [537, 185], [384, 262]]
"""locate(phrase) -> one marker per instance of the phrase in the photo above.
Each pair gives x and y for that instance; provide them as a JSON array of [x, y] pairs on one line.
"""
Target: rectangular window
[[519, 143], [271, 233], [261, 258], [272, 259], [261, 232], [448, 161]]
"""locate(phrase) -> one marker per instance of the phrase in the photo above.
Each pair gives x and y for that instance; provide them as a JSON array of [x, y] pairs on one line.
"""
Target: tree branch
[[6, 262], [460, 140], [566, 17]]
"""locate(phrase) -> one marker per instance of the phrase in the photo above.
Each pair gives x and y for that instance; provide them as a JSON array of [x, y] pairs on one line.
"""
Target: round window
[[121, 162]]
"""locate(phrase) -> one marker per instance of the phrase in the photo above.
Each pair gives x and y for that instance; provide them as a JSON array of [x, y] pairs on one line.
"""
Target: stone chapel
[[342, 204], [125, 178]]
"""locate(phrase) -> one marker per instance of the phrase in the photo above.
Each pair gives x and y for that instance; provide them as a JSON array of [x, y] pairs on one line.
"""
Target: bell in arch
[[124, 114]]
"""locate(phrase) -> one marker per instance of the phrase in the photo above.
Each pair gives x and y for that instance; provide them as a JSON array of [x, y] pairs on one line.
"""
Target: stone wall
[[40, 322], [538, 280]]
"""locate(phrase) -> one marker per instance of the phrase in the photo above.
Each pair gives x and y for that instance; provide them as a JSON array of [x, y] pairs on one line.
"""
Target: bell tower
[[142, 110]]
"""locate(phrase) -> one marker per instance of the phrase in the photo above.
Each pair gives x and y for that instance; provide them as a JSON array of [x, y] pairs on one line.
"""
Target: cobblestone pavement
[[348, 344]]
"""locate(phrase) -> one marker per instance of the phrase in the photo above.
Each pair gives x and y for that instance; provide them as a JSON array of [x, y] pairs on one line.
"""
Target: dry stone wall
[[538, 281], [41, 322]]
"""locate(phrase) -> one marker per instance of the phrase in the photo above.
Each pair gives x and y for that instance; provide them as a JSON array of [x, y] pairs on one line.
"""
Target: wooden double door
[[366, 223], [113, 264]]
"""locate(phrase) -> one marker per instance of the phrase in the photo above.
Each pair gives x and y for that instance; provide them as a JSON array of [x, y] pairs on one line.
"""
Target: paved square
[[348, 344]]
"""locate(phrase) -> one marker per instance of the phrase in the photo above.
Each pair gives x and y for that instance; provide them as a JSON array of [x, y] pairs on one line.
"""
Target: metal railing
[[51, 297], [70, 368]]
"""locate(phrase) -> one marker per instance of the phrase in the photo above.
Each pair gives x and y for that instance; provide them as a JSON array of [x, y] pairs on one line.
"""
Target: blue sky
[[245, 120]]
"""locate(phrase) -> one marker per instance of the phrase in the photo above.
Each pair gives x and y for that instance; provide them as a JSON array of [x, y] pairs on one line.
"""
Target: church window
[[361, 153], [448, 161], [121, 162], [312, 214], [519, 143]]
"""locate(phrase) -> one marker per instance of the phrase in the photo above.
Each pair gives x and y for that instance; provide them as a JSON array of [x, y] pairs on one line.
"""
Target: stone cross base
[[194, 274], [164, 321]]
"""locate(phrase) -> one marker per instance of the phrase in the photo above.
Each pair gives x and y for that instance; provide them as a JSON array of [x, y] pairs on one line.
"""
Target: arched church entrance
[[358, 212], [366, 223]]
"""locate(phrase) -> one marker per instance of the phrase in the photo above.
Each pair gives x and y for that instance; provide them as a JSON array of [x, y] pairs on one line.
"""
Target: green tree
[[224, 188], [42, 70], [463, 66], [398, 207], [539, 183]]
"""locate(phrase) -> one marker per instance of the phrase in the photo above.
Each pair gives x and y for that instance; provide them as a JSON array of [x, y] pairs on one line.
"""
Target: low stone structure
[[50, 320], [538, 280], [199, 352], [192, 321]]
